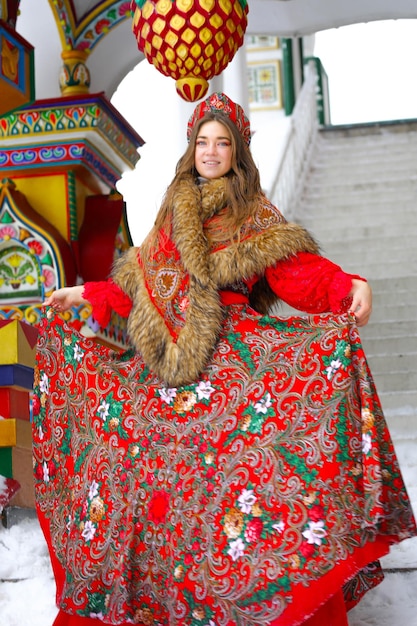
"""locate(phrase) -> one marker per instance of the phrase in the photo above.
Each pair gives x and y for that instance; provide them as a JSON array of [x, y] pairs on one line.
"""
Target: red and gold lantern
[[190, 40]]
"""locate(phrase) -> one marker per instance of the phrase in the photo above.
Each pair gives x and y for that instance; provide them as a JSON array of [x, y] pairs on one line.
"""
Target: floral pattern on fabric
[[229, 501]]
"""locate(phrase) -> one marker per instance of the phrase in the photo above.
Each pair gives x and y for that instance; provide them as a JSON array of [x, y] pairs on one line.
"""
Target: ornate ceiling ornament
[[190, 40]]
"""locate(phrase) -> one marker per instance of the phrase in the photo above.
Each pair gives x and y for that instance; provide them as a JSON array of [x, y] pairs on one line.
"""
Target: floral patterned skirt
[[249, 497]]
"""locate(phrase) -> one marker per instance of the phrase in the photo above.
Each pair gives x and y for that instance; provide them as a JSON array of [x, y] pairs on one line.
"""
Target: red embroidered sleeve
[[311, 283], [105, 297]]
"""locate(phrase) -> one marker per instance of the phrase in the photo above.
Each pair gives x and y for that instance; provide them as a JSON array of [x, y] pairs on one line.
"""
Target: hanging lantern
[[190, 40]]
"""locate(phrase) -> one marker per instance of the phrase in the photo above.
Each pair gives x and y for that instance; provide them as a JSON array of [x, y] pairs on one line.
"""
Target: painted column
[[75, 75], [298, 65], [288, 75]]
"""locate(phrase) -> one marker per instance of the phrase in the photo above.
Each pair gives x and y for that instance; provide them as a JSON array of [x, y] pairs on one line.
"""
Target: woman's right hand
[[65, 298], [361, 305]]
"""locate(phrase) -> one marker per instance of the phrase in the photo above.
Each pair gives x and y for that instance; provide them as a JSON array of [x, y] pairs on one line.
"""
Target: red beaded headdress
[[220, 102]]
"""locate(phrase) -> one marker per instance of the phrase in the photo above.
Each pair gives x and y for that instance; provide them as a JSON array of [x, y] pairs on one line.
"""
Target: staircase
[[360, 202]]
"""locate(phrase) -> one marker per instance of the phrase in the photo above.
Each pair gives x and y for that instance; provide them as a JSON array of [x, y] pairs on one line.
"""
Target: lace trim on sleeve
[[311, 283]]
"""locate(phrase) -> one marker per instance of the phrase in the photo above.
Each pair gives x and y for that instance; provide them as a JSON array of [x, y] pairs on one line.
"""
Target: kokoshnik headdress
[[220, 102]]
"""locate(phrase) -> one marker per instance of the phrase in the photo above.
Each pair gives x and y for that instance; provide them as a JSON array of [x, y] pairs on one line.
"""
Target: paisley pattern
[[248, 497], [168, 285], [267, 215]]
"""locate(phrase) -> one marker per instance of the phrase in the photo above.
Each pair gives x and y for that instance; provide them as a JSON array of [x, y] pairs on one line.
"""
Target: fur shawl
[[179, 360]]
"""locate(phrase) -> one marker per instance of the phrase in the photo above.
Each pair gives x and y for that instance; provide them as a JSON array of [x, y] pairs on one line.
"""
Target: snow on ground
[[27, 590]]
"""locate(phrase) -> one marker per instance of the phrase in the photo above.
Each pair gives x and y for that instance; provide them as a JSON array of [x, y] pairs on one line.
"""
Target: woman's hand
[[64, 298], [361, 306]]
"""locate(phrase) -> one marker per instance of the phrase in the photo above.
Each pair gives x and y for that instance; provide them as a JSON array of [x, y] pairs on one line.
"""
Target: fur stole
[[179, 358]]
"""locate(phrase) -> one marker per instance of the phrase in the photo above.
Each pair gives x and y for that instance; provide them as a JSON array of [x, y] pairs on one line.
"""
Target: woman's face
[[213, 150]]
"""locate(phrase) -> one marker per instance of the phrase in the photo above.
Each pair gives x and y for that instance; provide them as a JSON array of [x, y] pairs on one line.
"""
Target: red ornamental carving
[[190, 40]]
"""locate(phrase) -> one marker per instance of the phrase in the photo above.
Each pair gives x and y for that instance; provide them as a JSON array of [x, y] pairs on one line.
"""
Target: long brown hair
[[243, 184]]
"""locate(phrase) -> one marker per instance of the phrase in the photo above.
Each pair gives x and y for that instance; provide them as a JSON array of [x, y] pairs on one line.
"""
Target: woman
[[232, 467]]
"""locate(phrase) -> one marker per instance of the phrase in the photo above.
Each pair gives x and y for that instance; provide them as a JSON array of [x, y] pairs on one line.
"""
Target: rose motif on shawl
[[184, 401], [233, 523], [254, 530]]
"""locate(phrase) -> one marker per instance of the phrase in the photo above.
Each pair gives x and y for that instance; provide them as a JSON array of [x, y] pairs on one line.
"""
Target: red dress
[[253, 496]]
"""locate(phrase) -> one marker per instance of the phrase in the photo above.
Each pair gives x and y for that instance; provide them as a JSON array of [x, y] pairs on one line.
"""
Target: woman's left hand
[[361, 306]]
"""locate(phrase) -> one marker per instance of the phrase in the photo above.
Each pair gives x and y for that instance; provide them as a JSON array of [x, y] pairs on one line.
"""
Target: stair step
[[393, 400], [399, 363], [404, 301], [375, 161], [367, 249], [383, 312], [397, 304], [366, 222], [402, 421], [346, 201], [395, 381], [391, 270], [390, 328], [356, 170], [390, 347], [402, 286], [373, 252], [367, 186], [353, 160], [322, 226], [383, 228]]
